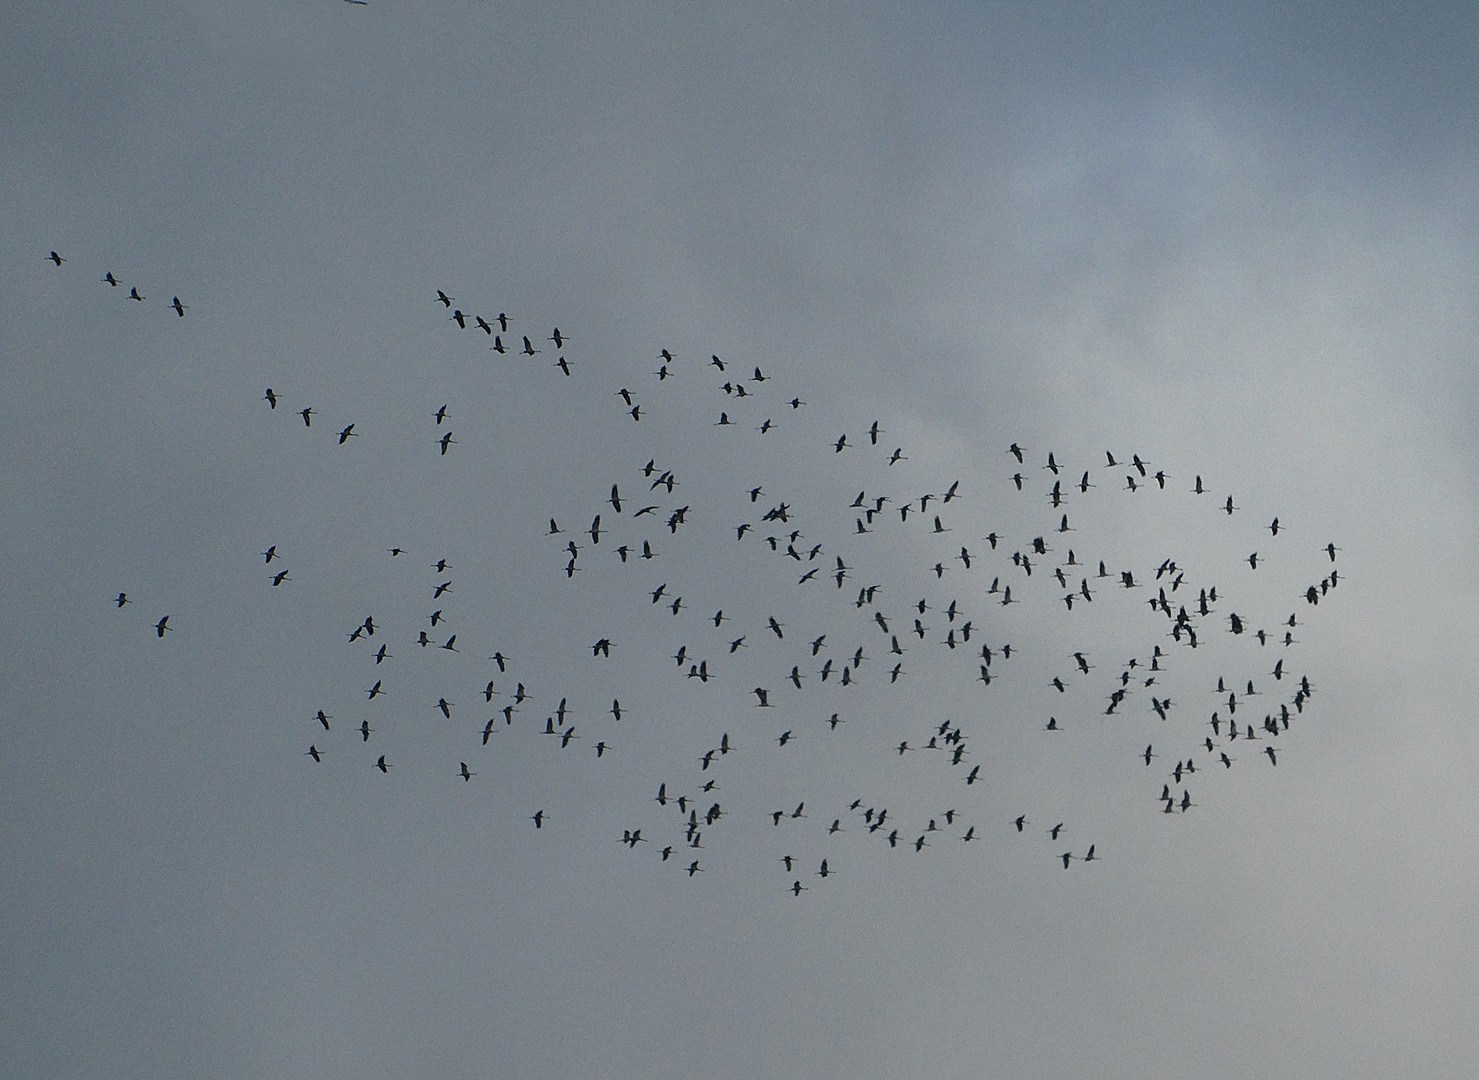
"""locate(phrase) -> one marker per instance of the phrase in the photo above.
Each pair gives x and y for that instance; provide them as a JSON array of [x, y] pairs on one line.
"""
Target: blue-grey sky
[[1236, 240]]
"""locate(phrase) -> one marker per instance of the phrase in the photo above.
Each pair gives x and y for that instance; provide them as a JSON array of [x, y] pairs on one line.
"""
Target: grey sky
[[1238, 240]]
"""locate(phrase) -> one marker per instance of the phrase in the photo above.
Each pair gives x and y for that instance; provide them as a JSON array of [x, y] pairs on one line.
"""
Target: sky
[[1238, 241]]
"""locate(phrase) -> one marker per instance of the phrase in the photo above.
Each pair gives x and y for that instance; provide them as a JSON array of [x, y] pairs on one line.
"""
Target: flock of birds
[[840, 625], [133, 291]]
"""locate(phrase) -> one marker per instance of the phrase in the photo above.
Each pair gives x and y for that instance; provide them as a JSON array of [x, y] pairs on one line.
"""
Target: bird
[[110, 279], [465, 773], [134, 294], [347, 434], [270, 398], [161, 626], [382, 764], [54, 257], [179, 307], [123, 599]]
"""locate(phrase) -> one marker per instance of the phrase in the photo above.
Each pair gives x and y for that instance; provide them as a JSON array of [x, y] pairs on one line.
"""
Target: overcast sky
[[1238, 240]]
